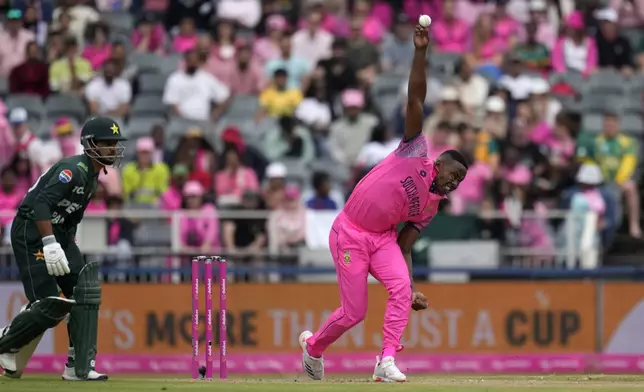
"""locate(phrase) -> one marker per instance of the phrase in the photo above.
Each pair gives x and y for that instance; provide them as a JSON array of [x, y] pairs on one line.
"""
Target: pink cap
[[353, 98], [575, 20], [292, 192], [193, 188], [145, 144], [276, 22], [520, 175]]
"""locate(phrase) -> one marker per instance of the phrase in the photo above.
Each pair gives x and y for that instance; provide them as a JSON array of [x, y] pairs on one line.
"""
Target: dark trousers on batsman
[[81, 284]]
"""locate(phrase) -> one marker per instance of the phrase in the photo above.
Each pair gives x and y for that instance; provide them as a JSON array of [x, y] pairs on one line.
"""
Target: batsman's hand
[[419, 301], [55, 259]]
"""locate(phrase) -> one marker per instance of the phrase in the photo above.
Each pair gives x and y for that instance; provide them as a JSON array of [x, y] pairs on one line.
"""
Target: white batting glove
[[55, 258]]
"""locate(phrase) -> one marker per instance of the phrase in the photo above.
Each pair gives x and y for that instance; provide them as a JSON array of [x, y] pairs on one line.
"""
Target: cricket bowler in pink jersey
[[406, 186]]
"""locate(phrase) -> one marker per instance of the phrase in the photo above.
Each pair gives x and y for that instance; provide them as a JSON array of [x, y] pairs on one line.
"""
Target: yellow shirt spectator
[[278, 100], [60, 73], [145, 185]]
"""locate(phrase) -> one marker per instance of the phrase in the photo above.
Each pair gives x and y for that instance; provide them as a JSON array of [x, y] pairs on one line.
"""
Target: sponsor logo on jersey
[[65, 176]]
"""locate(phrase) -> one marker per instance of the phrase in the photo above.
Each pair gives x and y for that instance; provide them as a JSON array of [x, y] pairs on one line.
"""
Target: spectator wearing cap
[[246, 77], [539, 29], [312, 43], [336, 74], [495, 119], [353, 130], [297, 68], [32, 76], [191, 93], [534, 54], [80, 16], [515, 80], [252, 157], [13, 42], [546, 106], [187, 37], [630, 12], [289, 140], [472, 88], [287, 224], [616, 155], [575, 51], [613, 49], [149, 36], [322, 196], [275, 185], [144, 181], [268, 48], [108, 94], [66, 138], [398, 48], [98, 50], [171, 199], [450, 33], [234, 179], [70, 73], [448, 109], [198, 232], [27, 144], [365, 56], [278, 99]]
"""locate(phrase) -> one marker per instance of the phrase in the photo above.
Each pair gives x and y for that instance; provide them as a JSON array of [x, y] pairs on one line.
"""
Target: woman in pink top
[[171, 199], [187, 37], [372, 27], [99, 200], [234, 179], [149, 37], [268, 48], [506, 29], [486, 46], [198, 232], [99, 50], [10, 196], [575, 50], [287, 224], [222, 53], [450, 34]]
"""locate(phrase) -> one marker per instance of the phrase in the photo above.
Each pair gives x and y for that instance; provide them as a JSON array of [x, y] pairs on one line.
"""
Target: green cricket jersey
[[617, 157], [61, 194]]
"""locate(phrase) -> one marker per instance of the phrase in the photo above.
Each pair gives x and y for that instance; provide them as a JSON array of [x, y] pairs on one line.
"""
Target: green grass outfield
[[441, 383]]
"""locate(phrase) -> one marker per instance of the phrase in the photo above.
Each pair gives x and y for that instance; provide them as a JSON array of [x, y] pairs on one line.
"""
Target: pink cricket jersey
[[396, 190]]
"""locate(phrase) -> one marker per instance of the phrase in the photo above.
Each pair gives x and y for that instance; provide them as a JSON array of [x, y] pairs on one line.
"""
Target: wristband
[[50, 239]]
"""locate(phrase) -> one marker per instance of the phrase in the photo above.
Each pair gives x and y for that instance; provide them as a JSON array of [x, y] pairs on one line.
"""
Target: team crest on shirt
[[347, 257], [65, 176], [423, 173]]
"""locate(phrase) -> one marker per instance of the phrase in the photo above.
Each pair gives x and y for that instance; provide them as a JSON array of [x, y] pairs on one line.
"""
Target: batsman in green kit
[[43, 241]]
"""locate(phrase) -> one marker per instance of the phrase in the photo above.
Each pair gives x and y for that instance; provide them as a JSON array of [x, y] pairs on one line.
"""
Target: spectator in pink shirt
[[268, 48], [187, 37], [198, 232], [222, 54], [99, 49], [13, 42], [234, 179], [171, 199], [486, 46], [506, 29], [413, 8], [576, 50], [450, 33], [372, 27], [149, 36], [99, 199], [10, 196], [247, 77], [332, 19], [7, 138]]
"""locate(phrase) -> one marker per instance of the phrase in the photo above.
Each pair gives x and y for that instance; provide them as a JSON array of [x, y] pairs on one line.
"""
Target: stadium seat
[[141, 126], [606, 83], [152, 83], [632, 124], [598, 103], [4, 87], [387, 104], [243, 106], [146, 62], [338, 172], [297, 171], [66, 105], [170, 63], [444, 62], [148, 106], [631, 105], [32, 103], [592, 122], [387, 83], [121, 22]]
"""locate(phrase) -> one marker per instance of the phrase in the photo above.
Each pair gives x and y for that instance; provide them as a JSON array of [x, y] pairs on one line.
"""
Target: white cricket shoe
[[387, 371], [8, 364], [70, 375], [314, 367]]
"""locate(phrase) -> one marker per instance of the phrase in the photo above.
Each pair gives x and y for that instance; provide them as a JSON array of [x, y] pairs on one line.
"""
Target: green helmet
[[102, 139]]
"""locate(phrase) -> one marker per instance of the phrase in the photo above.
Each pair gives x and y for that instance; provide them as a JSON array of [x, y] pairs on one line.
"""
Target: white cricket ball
[[424, 20]]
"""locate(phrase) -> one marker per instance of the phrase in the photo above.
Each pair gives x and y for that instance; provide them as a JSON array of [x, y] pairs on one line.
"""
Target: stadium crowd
[[284, 105]]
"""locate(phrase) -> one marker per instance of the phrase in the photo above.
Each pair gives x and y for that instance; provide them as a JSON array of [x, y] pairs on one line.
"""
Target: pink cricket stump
[[223, 362], [195, 318], [208, 280]]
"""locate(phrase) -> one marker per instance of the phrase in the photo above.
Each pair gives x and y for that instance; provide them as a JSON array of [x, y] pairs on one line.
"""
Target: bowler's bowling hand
[[419, 301]]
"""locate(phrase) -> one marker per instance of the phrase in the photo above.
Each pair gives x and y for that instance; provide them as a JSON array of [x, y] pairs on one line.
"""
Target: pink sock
[[312, 352], [388, 352]]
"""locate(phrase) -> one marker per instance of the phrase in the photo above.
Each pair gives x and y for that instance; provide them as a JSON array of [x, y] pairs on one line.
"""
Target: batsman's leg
[[45, 310], [83, 319]]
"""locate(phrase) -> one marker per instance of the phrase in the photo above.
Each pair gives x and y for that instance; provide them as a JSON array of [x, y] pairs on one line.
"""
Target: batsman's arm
[[406, 239], [50, 195]]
